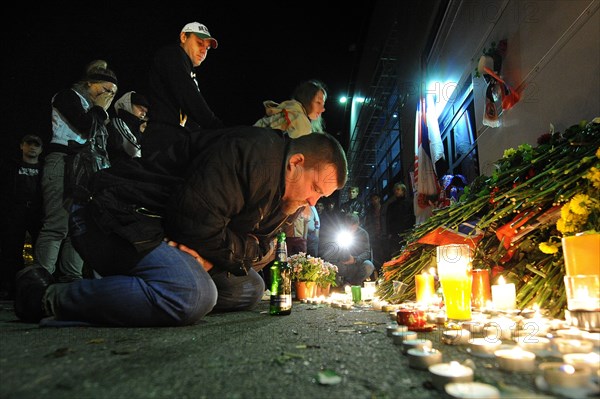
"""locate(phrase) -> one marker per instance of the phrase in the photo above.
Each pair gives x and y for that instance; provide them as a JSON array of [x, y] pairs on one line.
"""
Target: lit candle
[[564, 345], [473, 326], [538, 326], [400, 336], [580, 254], [560, 375], [456, 337], [422, 358], [480, 294], [424, 287], [484, 347], [415, 344], [500, 327], [368, 291], [472, 390], [593, 337], [589, 360], [395, 327], [515, 359], [445, 373], [569, 333], [583, 292], [454, 270], [532, 343], [504, 296]]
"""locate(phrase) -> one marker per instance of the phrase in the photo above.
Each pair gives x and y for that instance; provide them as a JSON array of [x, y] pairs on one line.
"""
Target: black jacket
[[20, 183], [229, 207], [174, 89], [168, 147], [400, 216]]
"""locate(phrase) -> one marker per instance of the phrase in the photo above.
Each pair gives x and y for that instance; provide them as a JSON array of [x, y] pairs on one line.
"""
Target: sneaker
[[30, 286]]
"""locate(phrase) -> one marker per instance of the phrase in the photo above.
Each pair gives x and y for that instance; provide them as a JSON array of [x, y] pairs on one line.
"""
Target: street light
[[344, 99]]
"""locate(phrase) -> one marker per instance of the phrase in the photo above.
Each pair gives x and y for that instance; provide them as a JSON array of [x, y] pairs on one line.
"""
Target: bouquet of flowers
[[308, 268], [327, 275], [535, 195]]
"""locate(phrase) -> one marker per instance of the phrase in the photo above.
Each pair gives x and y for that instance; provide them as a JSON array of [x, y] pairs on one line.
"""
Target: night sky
[[264, 51]]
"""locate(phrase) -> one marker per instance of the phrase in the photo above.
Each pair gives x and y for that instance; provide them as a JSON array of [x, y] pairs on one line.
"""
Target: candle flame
[[501, 280], [567, 368]]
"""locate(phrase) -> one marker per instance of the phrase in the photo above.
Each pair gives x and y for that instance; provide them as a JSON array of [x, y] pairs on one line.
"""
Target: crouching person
[[221, 222]]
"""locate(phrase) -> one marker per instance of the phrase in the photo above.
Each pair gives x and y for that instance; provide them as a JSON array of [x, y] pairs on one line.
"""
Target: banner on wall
[[428, 150]]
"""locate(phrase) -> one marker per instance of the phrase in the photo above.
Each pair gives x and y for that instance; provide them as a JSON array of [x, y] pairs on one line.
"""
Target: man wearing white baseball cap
[[179, 113], [201, 31]]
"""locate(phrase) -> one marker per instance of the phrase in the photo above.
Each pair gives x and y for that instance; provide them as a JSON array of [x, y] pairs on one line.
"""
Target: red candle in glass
[[480, 291]]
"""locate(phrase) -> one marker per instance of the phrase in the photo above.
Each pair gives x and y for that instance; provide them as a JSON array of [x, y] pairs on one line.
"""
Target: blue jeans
[[166, 287]]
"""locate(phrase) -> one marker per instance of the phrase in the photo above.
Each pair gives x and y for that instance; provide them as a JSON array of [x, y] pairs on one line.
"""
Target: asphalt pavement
[[318, 351]]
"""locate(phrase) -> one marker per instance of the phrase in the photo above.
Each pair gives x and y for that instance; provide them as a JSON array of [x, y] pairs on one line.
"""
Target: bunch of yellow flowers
[[581, 214]]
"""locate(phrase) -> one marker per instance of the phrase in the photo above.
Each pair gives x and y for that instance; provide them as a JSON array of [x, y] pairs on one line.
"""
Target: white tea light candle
[[400, 336], [590, 360], [445, 373], [537, 345], [456, 337], [560, 375], [572, 345], [394, 328], [415, 344], [504, 295], [422, 358], [484, 347], [472, 390], [515, 359]]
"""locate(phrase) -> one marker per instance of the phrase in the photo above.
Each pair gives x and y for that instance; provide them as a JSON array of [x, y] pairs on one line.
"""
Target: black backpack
[[123, 217]]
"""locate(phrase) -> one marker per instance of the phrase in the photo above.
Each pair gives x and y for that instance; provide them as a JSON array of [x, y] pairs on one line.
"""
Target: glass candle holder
[[583, 292], [580, 253], [454, 270], [480, 293], [424, 288]]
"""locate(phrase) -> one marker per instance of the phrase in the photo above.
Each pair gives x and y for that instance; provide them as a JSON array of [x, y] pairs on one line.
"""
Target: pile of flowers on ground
[[515, 218], [309, 268]]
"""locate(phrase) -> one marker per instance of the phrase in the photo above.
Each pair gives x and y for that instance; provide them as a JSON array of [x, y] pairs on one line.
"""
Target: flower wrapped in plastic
[[309, 268]]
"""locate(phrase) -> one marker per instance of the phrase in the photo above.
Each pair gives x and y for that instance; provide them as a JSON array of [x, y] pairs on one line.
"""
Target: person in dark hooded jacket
[[125, 130], [180, 115]]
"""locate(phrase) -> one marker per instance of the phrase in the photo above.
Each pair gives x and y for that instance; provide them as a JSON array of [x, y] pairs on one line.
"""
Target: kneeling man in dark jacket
[[219, 226]]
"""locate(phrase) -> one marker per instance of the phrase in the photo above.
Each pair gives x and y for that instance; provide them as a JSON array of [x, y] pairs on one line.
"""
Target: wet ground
[[234, 355]]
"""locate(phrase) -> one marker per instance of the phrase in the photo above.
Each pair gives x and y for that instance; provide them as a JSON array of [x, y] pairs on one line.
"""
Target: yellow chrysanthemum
[[580, 204], [598, 152], [573, 223], [548, 247], [593, 175], [565, 211]]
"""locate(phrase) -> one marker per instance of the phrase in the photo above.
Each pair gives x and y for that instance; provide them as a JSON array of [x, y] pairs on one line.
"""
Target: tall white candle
[[504, 295]]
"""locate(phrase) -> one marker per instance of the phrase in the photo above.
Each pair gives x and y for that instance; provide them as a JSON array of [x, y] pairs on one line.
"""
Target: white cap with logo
[[201, 31]]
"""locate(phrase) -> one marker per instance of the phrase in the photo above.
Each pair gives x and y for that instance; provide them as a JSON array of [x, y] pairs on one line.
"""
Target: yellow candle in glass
[[454, 269], [581, 254], [424, 287]]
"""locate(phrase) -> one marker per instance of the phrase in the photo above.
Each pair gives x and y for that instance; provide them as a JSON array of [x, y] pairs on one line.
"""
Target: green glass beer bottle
[[281, 280]]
